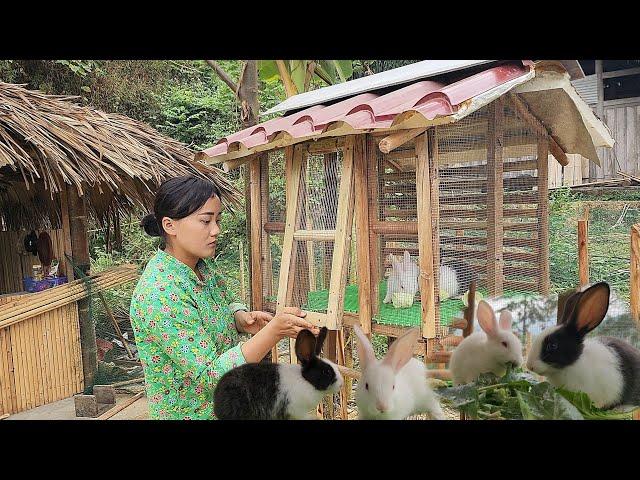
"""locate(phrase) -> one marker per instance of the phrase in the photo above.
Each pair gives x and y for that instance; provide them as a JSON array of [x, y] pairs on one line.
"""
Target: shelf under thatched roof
[[117, 162]]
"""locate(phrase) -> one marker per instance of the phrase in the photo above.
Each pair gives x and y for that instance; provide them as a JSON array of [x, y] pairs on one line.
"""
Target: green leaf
[[268, 71], [544, 403], [589, 411], [298, 71], [344, 68]]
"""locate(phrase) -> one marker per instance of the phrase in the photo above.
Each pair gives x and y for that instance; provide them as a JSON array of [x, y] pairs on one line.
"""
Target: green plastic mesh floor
[[389, 315]]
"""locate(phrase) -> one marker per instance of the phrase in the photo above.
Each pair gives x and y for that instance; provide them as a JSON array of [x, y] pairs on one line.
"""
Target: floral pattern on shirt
[[186, 336]]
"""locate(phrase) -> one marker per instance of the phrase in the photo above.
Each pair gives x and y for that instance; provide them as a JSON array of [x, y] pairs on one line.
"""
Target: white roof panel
[[408, 73]]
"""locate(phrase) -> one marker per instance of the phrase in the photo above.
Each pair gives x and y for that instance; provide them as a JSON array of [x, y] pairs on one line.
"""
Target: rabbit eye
[[552, 346], [393, 388], [504, 344], [366, 385]]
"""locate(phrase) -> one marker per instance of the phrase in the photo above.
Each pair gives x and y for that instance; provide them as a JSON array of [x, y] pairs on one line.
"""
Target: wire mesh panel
[[464, 192], [394, 237]]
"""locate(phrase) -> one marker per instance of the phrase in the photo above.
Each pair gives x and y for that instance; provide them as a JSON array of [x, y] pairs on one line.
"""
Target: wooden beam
[[111, 412], [362, 232], [66, 232], [342, 245], [396, 139], [621, 73], [495, 197], [522, 109], [543, 214], [315, 235], [635, 272], [425, 245]]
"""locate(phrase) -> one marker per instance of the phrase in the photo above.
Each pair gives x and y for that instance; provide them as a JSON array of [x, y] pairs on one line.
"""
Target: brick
[[105, 394], [86, 405]]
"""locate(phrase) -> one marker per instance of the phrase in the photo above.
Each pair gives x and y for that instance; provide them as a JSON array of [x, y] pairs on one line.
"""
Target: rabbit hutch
[[60, 165], [378, 201]]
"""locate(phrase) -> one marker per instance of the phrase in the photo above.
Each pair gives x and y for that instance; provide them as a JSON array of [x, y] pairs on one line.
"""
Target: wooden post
[[375, 260], [255, 224], [434, 177], [544, 278], [469, 311], [495, 196], [425, 235], [635, 272], [78, 224], [583, 251], [599, 110], [362, 233], [66, 232]]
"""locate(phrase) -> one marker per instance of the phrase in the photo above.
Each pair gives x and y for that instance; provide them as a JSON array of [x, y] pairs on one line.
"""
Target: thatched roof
[[117, 162]]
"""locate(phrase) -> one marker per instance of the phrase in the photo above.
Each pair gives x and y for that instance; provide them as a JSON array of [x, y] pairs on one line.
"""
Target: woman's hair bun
[[150, 225]]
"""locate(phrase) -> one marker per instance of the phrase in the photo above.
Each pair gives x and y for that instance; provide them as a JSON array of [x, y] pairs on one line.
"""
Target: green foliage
[[519, 396]]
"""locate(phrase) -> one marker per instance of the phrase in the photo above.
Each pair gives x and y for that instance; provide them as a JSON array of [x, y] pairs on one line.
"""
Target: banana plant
[[297, 75]]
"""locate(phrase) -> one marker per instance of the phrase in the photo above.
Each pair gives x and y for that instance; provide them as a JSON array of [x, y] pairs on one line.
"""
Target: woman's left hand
[[252, 322]]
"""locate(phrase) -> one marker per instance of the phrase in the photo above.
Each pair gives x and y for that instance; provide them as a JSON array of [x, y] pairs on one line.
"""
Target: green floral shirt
[[186, 336]]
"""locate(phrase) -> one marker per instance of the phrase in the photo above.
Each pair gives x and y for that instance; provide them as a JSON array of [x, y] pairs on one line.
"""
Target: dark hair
[[177, 198]]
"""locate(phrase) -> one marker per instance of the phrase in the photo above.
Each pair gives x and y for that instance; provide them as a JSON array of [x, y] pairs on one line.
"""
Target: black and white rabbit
[[279, 391], [607, 369]]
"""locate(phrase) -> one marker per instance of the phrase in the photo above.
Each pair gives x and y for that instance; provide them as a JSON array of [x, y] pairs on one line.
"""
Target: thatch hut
[[61, 163]]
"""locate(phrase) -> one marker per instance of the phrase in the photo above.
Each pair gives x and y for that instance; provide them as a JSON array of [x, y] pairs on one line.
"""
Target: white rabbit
[[448, 281], [395, 387], [486, 351], [403, 277]]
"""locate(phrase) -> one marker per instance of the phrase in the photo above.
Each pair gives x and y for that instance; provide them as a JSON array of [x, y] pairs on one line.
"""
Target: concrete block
[[105, 394], [86, 405]]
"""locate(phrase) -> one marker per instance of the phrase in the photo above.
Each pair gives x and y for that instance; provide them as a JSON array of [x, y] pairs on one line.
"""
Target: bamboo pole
[[116, 327], [243, 292], [111, 412]]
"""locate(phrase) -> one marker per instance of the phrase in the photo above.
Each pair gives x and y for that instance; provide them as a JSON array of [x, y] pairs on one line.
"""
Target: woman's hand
[[290, 322], [251, 322]]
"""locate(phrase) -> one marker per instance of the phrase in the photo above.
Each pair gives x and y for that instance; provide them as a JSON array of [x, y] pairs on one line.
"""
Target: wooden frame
[[543, 215], [341, 236]]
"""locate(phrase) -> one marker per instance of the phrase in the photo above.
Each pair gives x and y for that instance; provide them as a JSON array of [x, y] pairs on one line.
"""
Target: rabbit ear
[[566, 303], [505, 320], [320, 340], [401, 351], [305, 346], [407, 259], [487, 319], [590, 308], [365, 350]]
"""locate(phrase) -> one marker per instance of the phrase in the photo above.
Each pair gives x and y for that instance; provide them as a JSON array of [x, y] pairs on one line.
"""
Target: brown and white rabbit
[[607, 369]]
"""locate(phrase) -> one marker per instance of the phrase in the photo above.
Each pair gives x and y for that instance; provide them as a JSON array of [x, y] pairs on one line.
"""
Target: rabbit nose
[[381, 407]]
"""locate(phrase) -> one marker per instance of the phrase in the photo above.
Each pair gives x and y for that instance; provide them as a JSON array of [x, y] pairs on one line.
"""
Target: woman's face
[[196, 235]]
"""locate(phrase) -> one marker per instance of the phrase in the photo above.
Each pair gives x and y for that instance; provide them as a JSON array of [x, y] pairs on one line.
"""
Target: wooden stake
[[255, 198], [469, 311], [116, 327], [583, 251], [635, 272]]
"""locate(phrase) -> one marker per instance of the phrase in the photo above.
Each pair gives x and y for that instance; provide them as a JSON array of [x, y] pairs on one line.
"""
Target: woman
[[186, 329]]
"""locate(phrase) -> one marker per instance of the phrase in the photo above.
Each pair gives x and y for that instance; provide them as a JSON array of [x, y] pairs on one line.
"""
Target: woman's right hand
[[290, 322]]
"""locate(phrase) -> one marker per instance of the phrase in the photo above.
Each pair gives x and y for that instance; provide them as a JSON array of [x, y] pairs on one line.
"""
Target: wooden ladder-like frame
[[341, 236]]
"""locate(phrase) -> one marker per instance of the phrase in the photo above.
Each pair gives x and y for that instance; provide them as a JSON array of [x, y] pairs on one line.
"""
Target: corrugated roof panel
[[408, 73], [371, 111]]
